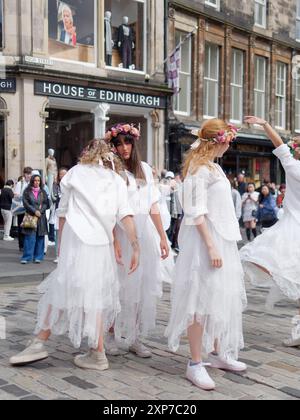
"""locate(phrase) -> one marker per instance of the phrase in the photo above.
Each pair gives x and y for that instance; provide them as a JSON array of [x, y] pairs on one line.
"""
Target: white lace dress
[[278, 248], [81, 297], [216, 298]]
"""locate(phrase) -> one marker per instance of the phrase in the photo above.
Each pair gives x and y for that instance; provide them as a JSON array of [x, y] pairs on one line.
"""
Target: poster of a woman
[[66, 29]]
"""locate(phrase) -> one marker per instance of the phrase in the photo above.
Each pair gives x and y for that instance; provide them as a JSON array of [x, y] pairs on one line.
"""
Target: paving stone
[[73, 380], [14, 390]]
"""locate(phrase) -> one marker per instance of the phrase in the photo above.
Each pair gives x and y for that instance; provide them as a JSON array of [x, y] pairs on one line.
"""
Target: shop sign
[[8, 85], [38, 61], [66, 91]]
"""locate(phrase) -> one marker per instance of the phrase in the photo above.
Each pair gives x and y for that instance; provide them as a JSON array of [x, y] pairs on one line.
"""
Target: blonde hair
[[204, 154], [69, 10], [99, 152]]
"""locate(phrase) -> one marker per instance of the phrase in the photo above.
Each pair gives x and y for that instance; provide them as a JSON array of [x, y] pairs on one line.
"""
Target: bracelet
[[265, 123]]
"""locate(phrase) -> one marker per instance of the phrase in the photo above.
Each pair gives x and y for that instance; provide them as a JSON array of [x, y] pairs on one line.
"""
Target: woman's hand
[[135, 258], [118, 252], [38, 214], [165, 249], [216, 260], [255, 120]]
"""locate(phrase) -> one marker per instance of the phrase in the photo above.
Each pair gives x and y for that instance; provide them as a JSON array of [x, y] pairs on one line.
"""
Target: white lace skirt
[[278, 251], [215, 298], [81, 297], [141, 290]]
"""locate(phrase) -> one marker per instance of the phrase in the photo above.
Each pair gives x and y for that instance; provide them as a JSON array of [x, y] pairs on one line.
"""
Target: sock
[[192, 364], [248, 232], [254, 231]]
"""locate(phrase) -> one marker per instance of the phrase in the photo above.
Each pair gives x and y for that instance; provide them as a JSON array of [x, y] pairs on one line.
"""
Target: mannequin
[[109, 43], [126, 43], [51, 169]]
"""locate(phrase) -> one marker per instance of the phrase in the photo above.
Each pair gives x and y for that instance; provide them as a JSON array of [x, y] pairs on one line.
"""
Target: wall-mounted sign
[[60, 90], [8, 85], [38, 60]]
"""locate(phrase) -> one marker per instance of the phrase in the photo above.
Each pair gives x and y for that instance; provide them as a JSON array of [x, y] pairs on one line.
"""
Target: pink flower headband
[[295, 145], [123, 129], [223, 136]]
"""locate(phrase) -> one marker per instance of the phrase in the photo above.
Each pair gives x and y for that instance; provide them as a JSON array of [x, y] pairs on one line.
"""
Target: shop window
[[297, 116], [183, 98], [68, 133], [72, 32], [125, 34], [1, 24], [2, 153]]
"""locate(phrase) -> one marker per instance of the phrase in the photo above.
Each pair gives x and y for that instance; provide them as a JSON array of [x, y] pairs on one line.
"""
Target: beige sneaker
[[294, 341], [93, 360], [111, 347], [34, 352], [140, 350]]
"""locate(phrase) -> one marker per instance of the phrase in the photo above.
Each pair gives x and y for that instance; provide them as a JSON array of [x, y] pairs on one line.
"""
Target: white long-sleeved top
[[208, 193], [292, 170], [93, 200]]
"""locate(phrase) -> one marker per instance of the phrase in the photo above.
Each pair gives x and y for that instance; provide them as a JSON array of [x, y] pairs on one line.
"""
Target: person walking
[[6, 198]]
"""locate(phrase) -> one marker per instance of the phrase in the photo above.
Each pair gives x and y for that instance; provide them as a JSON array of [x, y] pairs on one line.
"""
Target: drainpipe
[[166, 30]]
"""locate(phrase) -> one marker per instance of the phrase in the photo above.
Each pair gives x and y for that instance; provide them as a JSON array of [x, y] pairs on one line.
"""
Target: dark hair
[[134, 164], [262, 197], [32, 181], [10, 183], [27, 170], [282, 187], [250, 183]]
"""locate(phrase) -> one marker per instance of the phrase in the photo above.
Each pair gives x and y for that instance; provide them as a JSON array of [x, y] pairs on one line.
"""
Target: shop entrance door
[[68, 133]]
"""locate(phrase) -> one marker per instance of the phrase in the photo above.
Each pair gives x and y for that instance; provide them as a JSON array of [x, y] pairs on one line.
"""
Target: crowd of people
[[114, 251]]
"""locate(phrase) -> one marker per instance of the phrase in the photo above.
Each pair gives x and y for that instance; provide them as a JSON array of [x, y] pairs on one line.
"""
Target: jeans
[[33, 248], [7, 217]]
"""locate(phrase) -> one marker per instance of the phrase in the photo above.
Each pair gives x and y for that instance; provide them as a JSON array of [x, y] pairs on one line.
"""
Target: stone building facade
[[69, 68], [243, 57]]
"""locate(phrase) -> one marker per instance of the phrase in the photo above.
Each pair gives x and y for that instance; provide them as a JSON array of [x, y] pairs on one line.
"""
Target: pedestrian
[[250, 210], [267, 210], [272, 260], [139, 293], [20, 211], [241, 184], [81, 297], [237, 201], [6, 199], [208, 295], [34, 225], [56, 196]]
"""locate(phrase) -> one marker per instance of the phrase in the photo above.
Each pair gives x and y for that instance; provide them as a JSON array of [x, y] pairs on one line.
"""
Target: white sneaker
[[51, 244], [140, 350], [111, 346], [56, 261], [198, 376], [294, 341], [34, 352], [226, 363], [93, 360], [8, 239]]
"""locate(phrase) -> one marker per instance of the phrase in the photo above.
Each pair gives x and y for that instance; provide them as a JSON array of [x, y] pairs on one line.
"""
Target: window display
[[71, 34], [125, 34], [1, 24]]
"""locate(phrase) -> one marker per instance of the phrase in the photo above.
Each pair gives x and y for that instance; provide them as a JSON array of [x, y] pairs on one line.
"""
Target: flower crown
[[124, 129], [294, 145], [222, 137]]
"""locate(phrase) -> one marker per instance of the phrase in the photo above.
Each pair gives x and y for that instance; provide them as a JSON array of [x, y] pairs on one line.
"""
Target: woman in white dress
[[273, 258], [81, 297], [139, 293], [208, 295], [250, 209]]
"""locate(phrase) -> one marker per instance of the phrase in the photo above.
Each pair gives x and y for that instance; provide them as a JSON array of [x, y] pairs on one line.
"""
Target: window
[[260, 14], [298, 21], [213, 3], [72, 32], [183, 98], [1, 24], [260, 87], [297, 107], [125, 34], [237, 83], [211, 81], [280, 106]]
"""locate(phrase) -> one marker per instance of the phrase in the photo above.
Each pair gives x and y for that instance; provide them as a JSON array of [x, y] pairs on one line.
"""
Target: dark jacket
[[122, 37], [269, 212], [32, 205], [6, 198]]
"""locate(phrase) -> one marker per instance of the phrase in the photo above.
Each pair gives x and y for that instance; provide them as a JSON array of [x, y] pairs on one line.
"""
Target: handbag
[[30, 222], [255, 214]]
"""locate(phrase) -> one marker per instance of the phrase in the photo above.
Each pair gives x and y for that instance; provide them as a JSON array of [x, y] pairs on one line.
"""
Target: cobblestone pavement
[[273, 370]]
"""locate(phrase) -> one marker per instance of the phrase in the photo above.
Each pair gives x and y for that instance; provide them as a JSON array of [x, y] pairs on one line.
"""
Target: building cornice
[[216, 16]]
